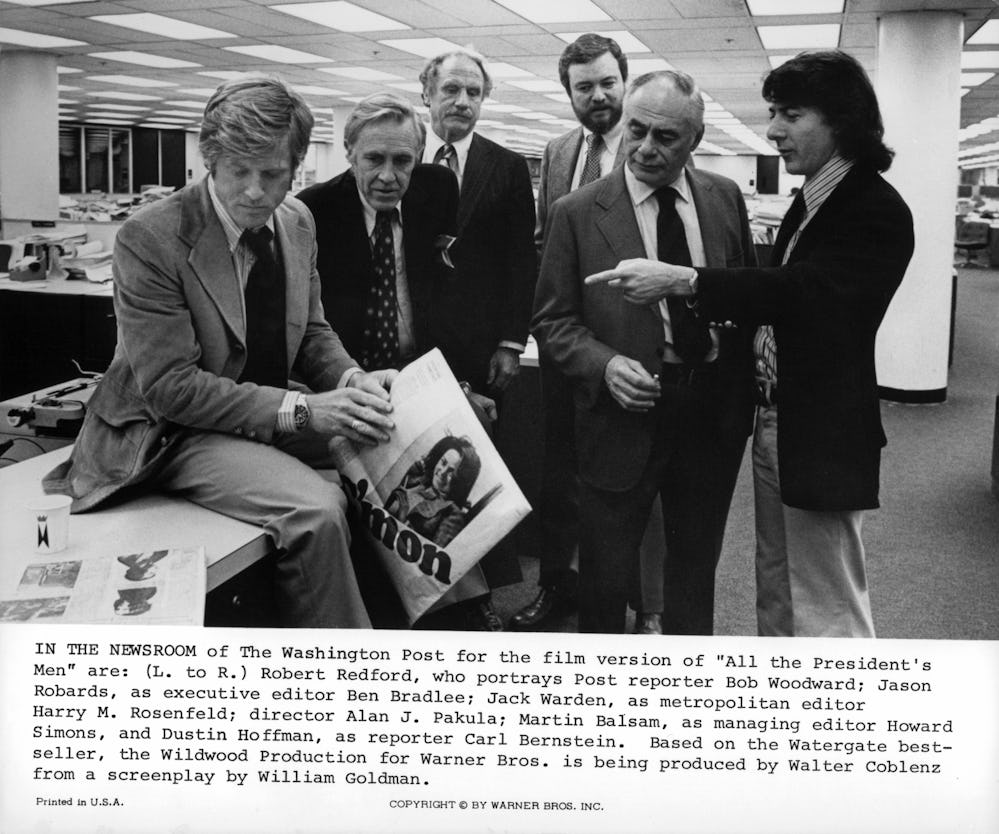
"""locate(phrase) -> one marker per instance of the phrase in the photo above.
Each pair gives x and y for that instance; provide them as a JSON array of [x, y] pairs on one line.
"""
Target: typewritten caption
[[458, 724]]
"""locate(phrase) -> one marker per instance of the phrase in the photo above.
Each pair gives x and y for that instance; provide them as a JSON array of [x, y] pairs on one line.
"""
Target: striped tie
[[591, 167]]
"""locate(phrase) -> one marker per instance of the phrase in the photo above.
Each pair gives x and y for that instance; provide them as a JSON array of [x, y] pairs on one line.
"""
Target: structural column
[[918, 86], [29, 135]]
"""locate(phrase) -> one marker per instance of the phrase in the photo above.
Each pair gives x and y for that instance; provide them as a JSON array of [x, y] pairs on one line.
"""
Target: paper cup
[[50, 522]]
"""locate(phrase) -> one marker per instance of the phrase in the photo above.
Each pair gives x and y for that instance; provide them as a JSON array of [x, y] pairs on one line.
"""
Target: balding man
[[664, 401]]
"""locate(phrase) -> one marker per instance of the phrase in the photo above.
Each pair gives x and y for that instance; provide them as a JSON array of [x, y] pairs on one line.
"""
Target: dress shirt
[[460, 151], [814, 192], [647, 213], [612, 140], [404, 307], [242, 261]]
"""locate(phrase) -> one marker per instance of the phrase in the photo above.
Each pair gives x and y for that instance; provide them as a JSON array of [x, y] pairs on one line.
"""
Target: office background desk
[[44, 325], [234, 551]]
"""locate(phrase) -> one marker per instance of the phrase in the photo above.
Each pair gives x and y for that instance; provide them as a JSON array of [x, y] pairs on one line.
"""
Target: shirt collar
[[371, 214], [641, 191], [612, 138], [233, 232], [461, 147], [817, 188]]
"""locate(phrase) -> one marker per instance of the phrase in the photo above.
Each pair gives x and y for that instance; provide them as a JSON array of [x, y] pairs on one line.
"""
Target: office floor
[[933, 547]]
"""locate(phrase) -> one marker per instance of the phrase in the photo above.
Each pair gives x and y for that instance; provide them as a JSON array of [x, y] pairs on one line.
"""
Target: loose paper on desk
[[436, 497], [155, 587]]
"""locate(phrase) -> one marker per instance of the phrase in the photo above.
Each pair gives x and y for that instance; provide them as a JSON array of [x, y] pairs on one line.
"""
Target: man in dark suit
[[217, 301], [384, 137], [841, 253], [663, 401], [485, 310], [593, 70]]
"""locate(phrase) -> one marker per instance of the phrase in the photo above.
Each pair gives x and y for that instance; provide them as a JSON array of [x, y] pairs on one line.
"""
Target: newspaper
[[157, 587], [437, 496]]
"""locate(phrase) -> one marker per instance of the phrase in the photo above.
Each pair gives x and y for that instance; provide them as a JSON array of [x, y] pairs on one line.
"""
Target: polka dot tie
[[591, 167], [381, 327]]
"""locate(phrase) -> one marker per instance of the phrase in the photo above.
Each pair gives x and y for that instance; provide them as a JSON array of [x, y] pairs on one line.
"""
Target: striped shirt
[[814, 192]]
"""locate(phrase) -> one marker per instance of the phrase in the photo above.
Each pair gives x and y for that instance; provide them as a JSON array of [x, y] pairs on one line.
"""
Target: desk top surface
[[150, 522]]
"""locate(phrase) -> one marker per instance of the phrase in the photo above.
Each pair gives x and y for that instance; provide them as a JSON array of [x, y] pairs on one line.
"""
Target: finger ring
[[357, 425]]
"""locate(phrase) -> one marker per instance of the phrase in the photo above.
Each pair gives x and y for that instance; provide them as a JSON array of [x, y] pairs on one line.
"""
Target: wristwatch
[[301, 413]]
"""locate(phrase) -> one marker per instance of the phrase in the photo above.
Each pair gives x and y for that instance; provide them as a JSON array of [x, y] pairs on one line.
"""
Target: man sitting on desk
[[217, 300]]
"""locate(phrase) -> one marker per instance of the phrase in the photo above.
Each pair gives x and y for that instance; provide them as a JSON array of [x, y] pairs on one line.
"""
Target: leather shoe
[[481, 616], [648, 623], [548, 603]]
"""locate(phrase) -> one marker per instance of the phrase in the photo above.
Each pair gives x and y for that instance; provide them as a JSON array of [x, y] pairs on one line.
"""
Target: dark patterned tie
[[446, 155], [691, 338], [591, 167], [381, 330], [266, 348]]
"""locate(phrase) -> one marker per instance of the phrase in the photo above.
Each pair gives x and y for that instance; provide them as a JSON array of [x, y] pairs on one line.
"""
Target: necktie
[[764, 345], [591, 167], [446, 155], [267, 356], [381, 330], [691, 339]]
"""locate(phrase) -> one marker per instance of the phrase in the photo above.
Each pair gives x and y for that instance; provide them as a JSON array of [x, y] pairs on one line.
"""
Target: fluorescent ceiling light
[[561, 98], [987, 33], [408, 86], [499, 69], [100, 114], [198, 91], [627, 41], [123, 96], [144, 59], [533, 116], [759, 8], [710, 147], [555, 11], [105, 106], [67, 102], [225, 75], [188, 116], [16, 36], [352, 99], [197, 105], [280, 54], [806, 36], [536, 85], [130, 81], [496, 107], [100, 121], [67, 70], [341, 15], [640, 66], [424, 47], [158, 24], [309, 90], [361, 73], [158, 126], [973, 79], [979, 60], [65, 88], [172, 121]]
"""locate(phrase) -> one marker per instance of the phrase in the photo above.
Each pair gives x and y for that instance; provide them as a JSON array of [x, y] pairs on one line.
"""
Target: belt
[[766, 392], [687, 375]]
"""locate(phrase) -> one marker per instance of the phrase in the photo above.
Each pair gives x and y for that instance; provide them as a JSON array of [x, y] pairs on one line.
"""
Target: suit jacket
[[557, 167], [429, 208], [826, 305], [488, 299], [182, 346], [579, 328]]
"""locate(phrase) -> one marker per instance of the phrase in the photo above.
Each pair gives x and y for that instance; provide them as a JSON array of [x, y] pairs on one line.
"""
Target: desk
[[144, 523]]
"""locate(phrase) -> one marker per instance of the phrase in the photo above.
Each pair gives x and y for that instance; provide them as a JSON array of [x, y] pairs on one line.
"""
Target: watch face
[[301, 415]]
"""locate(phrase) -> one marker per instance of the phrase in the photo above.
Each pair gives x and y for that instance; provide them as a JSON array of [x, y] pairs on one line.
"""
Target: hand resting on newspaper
[[358, 411]]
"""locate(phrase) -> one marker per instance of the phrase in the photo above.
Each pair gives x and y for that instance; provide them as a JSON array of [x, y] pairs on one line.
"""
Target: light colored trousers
[[811, 579]]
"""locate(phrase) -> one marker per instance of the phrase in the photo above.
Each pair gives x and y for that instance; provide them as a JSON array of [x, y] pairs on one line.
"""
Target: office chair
[[972, 236]]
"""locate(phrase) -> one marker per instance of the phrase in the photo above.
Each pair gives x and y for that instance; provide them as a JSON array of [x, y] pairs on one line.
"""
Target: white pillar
[[29, 135], [918, 85]]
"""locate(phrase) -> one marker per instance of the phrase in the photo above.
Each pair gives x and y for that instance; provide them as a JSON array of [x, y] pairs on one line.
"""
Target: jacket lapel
[[615, 218], [209, 257], [296, 246], [563, 164], [705, 203], [478, 169]]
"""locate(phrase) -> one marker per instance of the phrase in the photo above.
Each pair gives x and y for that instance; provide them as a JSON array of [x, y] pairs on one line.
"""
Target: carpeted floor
[[933, 547]]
